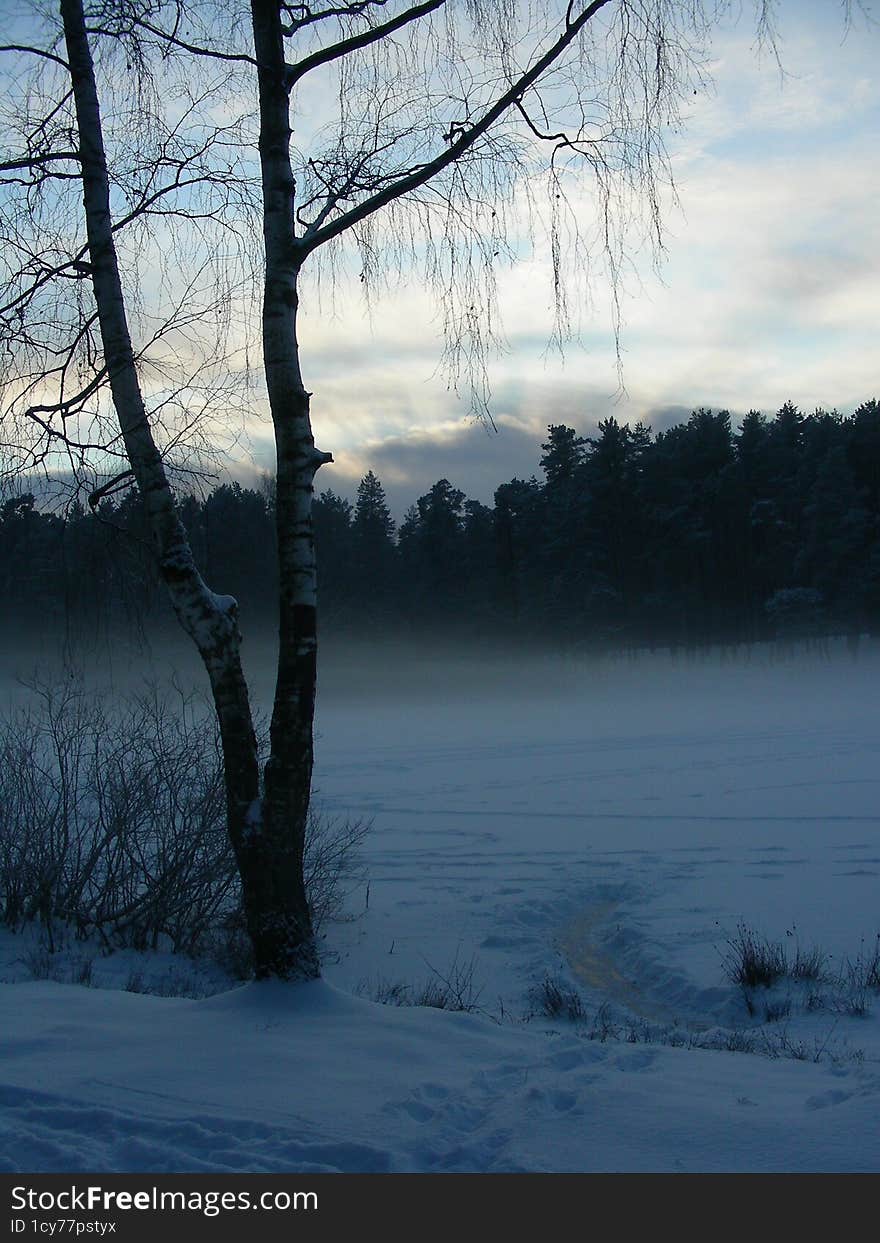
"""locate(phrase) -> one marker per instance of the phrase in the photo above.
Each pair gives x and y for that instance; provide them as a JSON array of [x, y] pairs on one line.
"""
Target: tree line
[[700, 533]]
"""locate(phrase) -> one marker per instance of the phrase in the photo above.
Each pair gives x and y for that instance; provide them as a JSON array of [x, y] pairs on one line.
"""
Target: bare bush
[[453, 989], [754, 961], [113, 824], [554, 999]]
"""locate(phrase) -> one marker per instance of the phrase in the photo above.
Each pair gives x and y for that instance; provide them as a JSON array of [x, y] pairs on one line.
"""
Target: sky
[[766, 292]]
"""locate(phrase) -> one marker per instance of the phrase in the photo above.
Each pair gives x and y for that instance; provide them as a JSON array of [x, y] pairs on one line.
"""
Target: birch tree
[[408, 137]]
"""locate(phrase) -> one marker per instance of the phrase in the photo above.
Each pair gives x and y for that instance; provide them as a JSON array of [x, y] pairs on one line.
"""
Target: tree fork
[[270, 864]]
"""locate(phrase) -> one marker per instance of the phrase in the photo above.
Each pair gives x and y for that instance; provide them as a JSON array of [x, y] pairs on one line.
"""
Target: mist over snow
[[571, 849]]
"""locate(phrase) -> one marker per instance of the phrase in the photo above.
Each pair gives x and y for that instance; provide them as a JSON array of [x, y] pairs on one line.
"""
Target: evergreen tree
[[373, 551], [432, 549], [563, 533], [563, 454], [864, 452], [240, 546], [332, 518], [616, 525], [373, 523], [519, 529]]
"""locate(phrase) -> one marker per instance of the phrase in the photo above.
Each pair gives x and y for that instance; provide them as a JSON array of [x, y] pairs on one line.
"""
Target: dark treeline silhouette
[[699, 534]]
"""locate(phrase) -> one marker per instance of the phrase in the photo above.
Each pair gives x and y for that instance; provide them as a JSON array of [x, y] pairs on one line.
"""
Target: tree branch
[[34, 161], [195, 49], [308, 17], [562, 138], [466, 138], [324, 56], [34, 51], [110, 488]]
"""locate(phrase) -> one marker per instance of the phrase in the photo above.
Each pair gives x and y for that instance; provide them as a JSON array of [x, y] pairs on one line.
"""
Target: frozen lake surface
[[609, 827]]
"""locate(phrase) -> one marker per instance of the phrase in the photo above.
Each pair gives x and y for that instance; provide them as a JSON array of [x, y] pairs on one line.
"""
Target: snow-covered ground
[[592, 833]]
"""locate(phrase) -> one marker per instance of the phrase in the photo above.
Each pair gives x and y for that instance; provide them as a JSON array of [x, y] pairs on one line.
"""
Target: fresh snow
[[605, 825]]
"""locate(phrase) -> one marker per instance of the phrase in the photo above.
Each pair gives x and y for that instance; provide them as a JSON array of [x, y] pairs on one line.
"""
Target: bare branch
[[110, 488], [308, 16], [36, 161], [372, 35], [464, 140], [34, 51], [173, 40]]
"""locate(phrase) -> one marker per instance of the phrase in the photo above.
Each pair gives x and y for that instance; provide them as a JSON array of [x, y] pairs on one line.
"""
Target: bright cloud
[[767, 292]]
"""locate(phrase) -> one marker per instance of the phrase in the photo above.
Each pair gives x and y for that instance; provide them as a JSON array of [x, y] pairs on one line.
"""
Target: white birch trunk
[[288, 774], [275, 906]]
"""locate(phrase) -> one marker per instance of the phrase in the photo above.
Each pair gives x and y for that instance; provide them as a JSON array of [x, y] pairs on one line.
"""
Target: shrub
[[555, 999], [811, 964], [112, 824], [753, 961], [453, 989]]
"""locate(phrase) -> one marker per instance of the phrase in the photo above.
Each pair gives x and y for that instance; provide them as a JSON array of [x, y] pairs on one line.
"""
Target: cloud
[[471, 456], [767, 293], [477, 459]]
